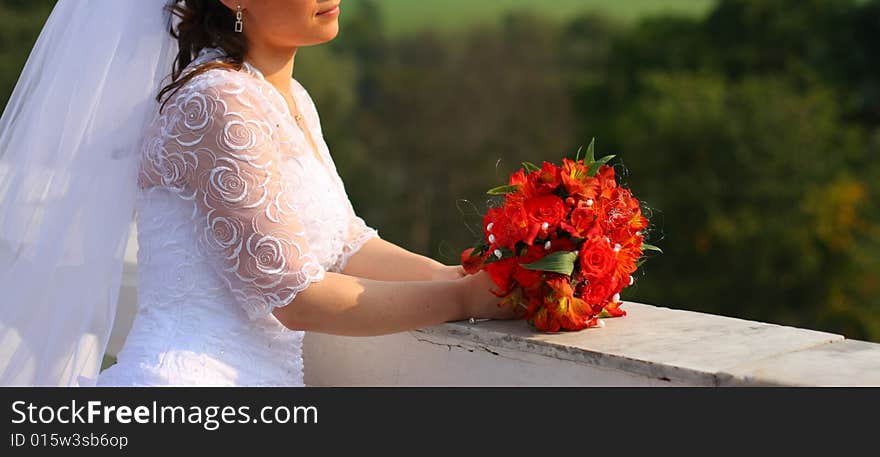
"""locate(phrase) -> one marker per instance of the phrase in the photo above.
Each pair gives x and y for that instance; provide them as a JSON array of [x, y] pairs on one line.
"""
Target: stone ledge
[[691, 348], [841, 363], [651, 346]]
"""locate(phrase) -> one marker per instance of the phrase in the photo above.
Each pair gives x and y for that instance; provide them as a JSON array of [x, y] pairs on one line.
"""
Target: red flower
[[543, 181], [548, 208], [627, 258], [501, 272], [622, 217], [597, 257], [600, 221], [606, 179], [508, 226], [472, 263], [524, 276], [583, 218], [599, 290], [518, 178], [561, 244]]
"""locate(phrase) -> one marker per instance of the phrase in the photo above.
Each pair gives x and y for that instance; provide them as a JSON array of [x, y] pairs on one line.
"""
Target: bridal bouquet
[[563, 244]]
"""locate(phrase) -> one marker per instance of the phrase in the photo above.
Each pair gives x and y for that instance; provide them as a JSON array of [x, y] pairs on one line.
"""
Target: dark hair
[[203, 23]]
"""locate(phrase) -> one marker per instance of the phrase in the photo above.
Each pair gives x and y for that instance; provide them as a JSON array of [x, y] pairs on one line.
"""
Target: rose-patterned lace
[[236, 215], [224, 144]]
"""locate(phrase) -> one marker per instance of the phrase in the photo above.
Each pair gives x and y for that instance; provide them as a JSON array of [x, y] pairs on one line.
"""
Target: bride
[[246, 235]]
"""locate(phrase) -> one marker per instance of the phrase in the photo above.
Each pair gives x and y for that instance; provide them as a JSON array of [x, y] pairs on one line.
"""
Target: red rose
[[598, 291], [507, 226], [597, 257], [549, 208]]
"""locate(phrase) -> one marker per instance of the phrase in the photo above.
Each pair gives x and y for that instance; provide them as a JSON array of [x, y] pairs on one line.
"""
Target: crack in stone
[[470, 349]]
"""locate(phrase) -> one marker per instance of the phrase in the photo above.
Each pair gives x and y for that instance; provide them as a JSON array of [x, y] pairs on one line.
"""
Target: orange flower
[[575, 179], [607, 182], [578, 314], [614, 309], [543, 321]]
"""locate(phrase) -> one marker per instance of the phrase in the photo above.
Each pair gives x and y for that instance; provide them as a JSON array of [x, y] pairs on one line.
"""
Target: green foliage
[[20, 23], [557, 262], [751, 134], [453, 16]]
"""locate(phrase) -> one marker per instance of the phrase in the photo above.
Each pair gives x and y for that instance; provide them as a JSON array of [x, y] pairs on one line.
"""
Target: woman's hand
[[479, 302]]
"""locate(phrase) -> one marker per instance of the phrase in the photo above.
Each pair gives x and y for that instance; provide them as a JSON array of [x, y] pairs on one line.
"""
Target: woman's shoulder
[[219, 90], [225, 80]]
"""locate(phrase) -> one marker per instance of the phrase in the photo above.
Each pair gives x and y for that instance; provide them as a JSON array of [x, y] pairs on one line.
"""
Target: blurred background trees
[[749, 128]]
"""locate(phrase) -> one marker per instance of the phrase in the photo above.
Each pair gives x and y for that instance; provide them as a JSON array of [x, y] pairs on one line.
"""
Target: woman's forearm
[[347, 305], [382, 260]]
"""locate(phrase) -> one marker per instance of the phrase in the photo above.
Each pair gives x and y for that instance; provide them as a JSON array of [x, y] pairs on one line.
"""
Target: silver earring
[[238, 23]]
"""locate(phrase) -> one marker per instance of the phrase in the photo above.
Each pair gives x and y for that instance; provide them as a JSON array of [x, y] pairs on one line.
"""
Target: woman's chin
[[327, 33]]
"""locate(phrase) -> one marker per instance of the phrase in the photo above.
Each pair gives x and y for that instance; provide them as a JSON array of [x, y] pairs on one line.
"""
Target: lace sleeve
[[218, 150], [358, 234]]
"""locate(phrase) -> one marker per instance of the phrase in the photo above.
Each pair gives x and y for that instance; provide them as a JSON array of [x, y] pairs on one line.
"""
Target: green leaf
[[591, 151], [651, 247], [557, 262], [577, 156], [594, 167], [640, 262], [479, 247], [502, 190], [505, 253], [529, 166]]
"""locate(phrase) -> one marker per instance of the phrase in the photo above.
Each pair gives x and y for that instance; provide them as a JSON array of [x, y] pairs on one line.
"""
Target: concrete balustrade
[[651, 346]]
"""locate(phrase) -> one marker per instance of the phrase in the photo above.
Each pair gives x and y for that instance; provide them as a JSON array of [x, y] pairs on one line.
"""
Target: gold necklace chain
[[300, 122]]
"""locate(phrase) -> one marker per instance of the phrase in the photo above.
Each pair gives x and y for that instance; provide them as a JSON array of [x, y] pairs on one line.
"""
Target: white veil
[[68, 169]]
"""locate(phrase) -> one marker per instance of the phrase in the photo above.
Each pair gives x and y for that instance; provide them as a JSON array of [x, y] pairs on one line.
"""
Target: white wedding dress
[[236, 215]]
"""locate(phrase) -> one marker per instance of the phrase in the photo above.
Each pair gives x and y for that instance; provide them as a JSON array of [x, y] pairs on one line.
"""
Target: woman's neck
[[276, 64]]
